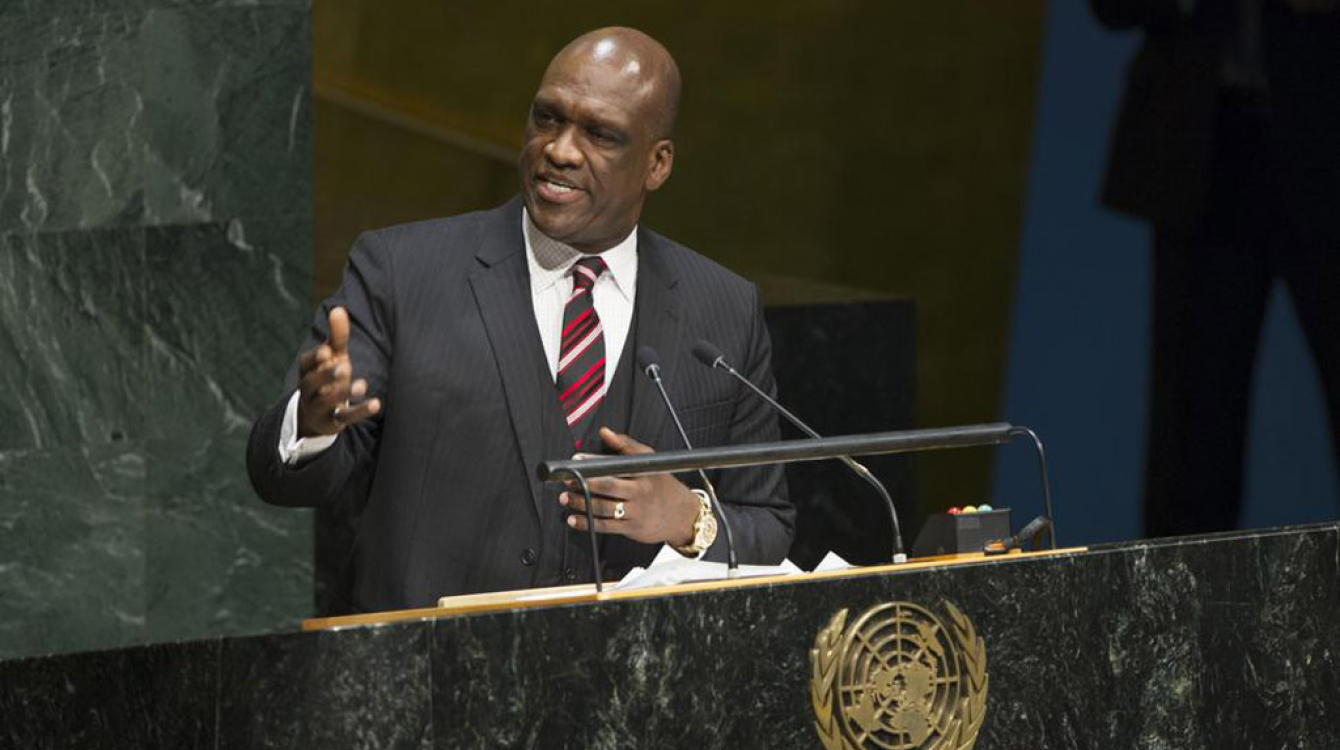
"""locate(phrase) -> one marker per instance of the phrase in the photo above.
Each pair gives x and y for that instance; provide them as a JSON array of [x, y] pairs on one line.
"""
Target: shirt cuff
[[292, 448]]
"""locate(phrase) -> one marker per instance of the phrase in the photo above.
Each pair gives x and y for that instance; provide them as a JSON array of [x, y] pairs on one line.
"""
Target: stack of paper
[[670, 568]]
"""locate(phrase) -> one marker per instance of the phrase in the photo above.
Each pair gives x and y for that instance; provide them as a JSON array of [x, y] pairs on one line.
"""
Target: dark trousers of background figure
[[1212, 282]]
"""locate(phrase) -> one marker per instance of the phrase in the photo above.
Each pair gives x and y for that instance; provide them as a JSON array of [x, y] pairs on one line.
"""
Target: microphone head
[[647, 359], [707, 353]]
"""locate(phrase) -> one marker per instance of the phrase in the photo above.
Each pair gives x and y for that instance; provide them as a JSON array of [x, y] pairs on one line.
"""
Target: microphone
[[650, 364], [711, 356], [1034, 527]]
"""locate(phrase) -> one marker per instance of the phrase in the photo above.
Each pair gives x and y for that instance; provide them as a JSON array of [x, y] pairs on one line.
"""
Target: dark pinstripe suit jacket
[[443, 329]]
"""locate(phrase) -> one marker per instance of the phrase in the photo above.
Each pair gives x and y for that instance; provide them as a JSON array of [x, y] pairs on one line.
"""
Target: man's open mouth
[[556, 189]]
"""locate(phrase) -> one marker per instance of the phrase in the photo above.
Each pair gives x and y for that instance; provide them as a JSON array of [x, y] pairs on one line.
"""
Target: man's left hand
[[655, 508]]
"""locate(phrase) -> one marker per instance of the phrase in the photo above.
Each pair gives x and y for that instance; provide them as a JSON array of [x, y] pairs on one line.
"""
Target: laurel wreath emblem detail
[[949, 669]]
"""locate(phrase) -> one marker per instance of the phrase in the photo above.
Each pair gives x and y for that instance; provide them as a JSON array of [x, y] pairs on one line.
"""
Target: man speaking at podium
[[460, 353]]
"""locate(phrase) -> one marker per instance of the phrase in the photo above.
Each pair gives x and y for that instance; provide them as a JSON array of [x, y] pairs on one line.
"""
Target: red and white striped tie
[[581, 355]]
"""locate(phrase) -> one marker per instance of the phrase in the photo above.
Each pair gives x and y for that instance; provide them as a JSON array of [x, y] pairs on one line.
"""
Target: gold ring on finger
[[620, 511]]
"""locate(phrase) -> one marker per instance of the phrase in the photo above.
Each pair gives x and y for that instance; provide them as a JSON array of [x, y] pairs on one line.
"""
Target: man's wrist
[[704, 529], [304, 431], [293, 448], [685, 532]]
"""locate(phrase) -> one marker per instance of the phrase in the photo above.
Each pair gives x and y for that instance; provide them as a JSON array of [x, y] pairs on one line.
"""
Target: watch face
[[707, 533]]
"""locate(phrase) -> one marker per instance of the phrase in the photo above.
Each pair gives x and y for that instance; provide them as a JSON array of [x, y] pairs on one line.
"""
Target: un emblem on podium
[[899, 678]]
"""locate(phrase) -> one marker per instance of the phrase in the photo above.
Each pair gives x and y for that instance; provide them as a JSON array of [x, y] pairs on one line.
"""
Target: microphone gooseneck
[[650, 365], [1046, 483], [711, 356]]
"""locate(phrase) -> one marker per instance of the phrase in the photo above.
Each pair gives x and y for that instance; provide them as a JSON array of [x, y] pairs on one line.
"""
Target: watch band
[[704, 528]]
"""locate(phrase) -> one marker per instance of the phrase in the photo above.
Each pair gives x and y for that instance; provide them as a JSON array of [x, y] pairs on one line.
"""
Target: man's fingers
[[339, 330], [622, 444], [603, 525], [307, 360], [334, 393], [314, 358], [603, 507], [338, 372], [353, 414], [333, 384], [620, 489], [326, 372]]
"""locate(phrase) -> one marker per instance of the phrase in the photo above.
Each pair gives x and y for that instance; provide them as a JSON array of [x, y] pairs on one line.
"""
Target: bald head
[[640, 61], [598, 139]]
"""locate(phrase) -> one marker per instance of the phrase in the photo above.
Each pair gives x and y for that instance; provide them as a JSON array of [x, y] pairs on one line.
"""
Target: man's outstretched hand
[[326, 385]]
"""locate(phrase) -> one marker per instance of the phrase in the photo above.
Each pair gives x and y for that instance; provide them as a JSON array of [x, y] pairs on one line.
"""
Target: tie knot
[[587, 270]]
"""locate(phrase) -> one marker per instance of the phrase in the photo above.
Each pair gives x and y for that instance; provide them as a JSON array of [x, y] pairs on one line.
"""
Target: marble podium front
[[1219, 641]]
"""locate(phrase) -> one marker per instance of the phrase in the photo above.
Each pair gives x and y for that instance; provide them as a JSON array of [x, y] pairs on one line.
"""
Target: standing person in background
[[1228, 143]]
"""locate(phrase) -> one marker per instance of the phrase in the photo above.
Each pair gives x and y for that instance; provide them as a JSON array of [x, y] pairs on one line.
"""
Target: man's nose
[[563, 150]]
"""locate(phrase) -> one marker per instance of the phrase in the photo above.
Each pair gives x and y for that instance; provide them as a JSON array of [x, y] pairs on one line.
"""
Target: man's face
[[591, 153]]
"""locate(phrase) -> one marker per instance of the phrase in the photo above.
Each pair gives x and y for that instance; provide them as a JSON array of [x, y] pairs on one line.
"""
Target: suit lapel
[[501, 287], [659, 327]]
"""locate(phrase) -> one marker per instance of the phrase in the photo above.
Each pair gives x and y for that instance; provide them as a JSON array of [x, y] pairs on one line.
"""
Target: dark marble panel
[[218, 561], [157, 112], [306, 4], [147, 368], [70, 122], [1217, 642], [226, 112], [16, 91], [359, 690], [72, 307], [84, 8], [145, 698], [1175, 645], [71, 549], [65, 9], [663, 673], [847, 369], [1269, 641], [228, 305]]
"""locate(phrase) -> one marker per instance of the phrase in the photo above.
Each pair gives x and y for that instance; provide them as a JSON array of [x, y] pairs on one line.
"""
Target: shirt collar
[[550, 259]]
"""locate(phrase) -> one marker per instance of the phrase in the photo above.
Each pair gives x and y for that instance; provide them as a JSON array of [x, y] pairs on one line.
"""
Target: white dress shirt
[[551, 284]]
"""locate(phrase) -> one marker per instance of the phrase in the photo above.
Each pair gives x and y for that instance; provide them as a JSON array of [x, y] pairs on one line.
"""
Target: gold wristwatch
[[704, 529]]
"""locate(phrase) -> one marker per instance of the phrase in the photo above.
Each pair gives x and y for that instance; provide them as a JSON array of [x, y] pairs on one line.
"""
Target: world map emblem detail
[[899, 677]]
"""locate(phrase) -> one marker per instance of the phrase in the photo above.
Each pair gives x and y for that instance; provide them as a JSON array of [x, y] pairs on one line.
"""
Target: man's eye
[[603, 137], [544, 118]]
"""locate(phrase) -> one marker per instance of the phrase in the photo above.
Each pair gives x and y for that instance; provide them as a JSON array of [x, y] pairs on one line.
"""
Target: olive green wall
[[847, 149]]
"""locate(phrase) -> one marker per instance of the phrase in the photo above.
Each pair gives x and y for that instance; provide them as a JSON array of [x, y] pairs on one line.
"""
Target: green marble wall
[[155, 277]]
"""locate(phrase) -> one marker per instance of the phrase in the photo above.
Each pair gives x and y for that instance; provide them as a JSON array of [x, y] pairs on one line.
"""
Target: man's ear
[[662, 163]]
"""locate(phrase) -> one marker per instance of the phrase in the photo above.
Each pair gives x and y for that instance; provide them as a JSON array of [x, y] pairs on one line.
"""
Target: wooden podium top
[[450, 606]]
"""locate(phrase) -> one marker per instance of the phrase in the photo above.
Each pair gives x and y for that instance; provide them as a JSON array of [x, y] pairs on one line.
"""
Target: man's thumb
[[622, 443]]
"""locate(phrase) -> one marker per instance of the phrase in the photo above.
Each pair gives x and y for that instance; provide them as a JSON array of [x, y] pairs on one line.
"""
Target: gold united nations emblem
[[899, 678]]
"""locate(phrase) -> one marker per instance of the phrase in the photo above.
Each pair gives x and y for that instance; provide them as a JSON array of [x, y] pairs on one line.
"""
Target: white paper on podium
[[831, 561], [670, 568]]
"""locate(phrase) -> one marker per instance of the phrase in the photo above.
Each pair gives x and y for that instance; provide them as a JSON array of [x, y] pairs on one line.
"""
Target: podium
[[1219, 641]]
